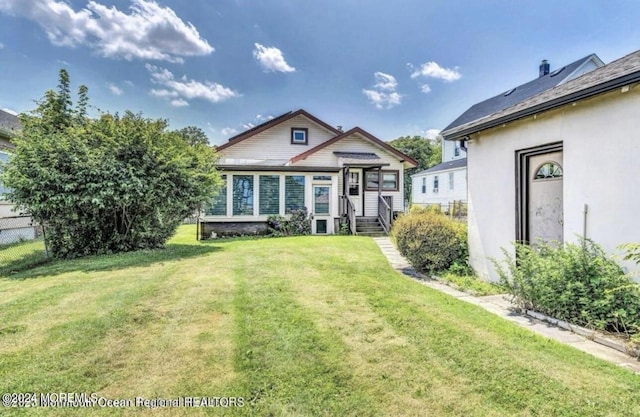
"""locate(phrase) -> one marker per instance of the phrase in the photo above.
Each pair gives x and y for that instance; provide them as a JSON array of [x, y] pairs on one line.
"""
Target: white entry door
[[354, 189], [321, 223], [545, 211]]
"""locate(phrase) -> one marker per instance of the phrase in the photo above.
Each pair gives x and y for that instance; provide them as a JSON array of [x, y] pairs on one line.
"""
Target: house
[[556, 165], [9, 125], [13, 226], [297, 161], [445, 183]]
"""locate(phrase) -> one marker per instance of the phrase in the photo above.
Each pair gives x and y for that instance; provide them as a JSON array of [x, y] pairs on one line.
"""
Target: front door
[[354, 189], [321, 223], [545, 208]]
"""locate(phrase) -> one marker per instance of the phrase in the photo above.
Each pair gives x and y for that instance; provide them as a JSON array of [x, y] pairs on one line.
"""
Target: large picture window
[[389, 180], [243, 195], [293, 193], [269, 194], [217, 206]]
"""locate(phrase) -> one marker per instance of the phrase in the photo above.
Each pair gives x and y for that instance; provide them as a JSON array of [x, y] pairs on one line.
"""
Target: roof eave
[[548, 105]]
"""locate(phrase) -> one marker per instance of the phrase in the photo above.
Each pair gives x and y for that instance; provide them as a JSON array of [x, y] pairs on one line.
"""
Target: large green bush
[[111, 184], [577, 283], [430, 241]]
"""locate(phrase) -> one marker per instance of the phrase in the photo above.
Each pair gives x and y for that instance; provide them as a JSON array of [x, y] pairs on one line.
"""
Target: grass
[[471, 284], [300, 326]]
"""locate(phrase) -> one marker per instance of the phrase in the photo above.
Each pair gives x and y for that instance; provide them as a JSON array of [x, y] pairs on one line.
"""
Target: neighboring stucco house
[[297, 161], [444, 183], [557, 165]]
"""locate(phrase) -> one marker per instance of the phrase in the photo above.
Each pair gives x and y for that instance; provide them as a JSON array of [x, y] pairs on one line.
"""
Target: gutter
[[548, 105]]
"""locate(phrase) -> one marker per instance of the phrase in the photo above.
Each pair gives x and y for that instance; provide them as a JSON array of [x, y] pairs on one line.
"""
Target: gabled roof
[[522, 92], [366, 135], [616, 74], [456, 163], [273, 122]]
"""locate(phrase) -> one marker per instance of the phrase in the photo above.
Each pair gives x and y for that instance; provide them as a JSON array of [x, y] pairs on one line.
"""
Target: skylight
[[509, 92], [556, 72]]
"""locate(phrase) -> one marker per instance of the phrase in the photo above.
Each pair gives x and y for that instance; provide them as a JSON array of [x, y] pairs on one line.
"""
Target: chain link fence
[[21, 244]]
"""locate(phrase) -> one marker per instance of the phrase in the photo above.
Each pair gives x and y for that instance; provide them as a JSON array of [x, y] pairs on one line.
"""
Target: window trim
[[381, 176], [295, 130]]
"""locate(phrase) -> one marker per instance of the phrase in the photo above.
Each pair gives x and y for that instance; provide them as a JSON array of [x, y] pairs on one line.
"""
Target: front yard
[[301, 326]]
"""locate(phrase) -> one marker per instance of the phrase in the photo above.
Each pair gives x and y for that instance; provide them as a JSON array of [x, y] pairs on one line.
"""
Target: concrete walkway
[[501, 306]]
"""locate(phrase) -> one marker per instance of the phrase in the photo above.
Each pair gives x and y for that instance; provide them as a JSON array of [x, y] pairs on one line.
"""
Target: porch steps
[[369, 226]]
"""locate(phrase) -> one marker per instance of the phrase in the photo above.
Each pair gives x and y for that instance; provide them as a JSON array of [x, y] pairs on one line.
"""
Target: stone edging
[[589, 334]]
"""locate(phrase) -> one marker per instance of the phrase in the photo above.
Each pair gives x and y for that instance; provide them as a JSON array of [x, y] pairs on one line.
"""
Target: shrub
[[431, 242], [298, 223], [111, 184], [576, 283]]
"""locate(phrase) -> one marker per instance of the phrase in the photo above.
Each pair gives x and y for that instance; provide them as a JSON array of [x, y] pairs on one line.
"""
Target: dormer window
[[299, 136]]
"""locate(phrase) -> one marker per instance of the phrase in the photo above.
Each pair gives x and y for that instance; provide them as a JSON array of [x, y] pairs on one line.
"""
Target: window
[[354, 183], [424, 185], [243, 195], [321, 200], [269, 194], [389, 180], [321, 227], [293, 193], [451, 175], [548, 170], [217, 206], [435, 184], [322, 177], [4, 158], [456, 151], [299, 135]]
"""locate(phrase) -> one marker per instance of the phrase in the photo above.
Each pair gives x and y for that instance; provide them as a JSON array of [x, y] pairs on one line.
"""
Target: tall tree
[[426, 152], [193, 135], [112, 184]]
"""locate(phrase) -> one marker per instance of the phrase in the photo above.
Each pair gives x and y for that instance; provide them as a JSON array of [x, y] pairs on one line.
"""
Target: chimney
[[544, 68], [339, 128]]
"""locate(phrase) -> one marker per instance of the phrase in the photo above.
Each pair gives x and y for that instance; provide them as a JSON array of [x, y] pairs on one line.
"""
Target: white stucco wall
[[601, 146]]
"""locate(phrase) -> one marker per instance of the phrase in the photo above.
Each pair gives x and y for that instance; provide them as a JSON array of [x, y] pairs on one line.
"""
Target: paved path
[[500, 305]]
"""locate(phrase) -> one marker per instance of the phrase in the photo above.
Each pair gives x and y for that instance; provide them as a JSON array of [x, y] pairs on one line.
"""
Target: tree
[[426, 152], [111, 184], [193, 135]]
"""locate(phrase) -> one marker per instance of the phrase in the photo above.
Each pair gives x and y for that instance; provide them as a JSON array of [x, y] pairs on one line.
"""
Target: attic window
[[299, 135], [556, 72], [509, 92]]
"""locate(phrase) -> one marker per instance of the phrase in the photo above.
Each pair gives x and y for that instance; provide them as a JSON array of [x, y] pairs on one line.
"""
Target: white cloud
[[432, 69], [115, 89], [248, 126], [432, 133], [148, 31], [1, 45], [129, 83], [271, 59], [425, 88], [384, 94], [179, 103], [186, 89], [229, 131]]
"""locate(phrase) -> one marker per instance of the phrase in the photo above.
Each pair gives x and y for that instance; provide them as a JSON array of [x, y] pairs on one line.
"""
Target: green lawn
[[301, 326]]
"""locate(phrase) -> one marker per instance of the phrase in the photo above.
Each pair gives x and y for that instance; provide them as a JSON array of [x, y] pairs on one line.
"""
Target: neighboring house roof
[[456, 163], [619, 73], [9, 123], [273, 122], [522, 92], [364, 134]]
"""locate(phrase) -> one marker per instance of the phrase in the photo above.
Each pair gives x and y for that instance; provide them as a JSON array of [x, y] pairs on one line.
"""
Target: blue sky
[[394, 68]]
